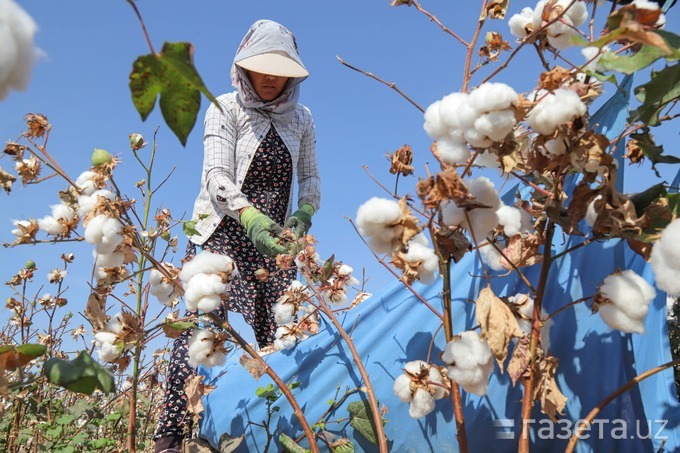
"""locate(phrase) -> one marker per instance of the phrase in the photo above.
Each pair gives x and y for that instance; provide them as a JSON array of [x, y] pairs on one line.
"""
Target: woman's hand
[[262, 231], [301, 220]]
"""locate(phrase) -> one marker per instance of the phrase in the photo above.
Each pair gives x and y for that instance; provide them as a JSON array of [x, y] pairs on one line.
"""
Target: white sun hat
[[275, 62]]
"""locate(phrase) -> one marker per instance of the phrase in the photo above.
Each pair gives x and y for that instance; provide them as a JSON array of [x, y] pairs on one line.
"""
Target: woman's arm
[[219, 144], [309, 190]]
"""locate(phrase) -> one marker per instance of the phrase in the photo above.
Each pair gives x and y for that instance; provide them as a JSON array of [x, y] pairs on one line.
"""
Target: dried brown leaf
[[359, 298], [495, 10], [410, 270], [554, 79], [520, 360], [255, 367], [522, 250], [546, 390], [497, 323], [94, 310], [451, 243], [195, 390]]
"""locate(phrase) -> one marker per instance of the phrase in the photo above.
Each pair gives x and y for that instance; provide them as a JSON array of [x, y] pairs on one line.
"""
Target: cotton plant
[[480, 118], [470, 361], [560, 29], [17, 31], [206, 278], [420, 386], [623, 301], [665, 259], [206, 348]]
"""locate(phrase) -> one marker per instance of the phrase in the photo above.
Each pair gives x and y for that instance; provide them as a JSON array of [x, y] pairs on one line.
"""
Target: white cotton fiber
[[373, 220], [202, 285], [592, 212], [402, 389], [434, 126], [453, 152], [555, 109], [201, 350], [50, 225], [85, 183], [665, 259], [518, 22], [425, 257], [511, 219], [422, 404], [455, 112], [17, 29], [206, 262], [470, 362], [490, 96], [496, 125], [629, 296]]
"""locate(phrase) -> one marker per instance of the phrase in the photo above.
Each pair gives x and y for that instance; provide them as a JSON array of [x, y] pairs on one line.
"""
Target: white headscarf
[[265, 36]]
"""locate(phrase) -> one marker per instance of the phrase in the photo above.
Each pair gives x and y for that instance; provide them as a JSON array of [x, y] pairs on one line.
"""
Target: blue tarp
[[393, 328]]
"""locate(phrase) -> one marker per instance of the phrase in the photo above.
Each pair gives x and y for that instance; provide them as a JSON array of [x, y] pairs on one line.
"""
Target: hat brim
[[274, 64]]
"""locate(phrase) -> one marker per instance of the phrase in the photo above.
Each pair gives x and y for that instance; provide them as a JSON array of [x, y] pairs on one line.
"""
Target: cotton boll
[[85, 183], [206, 262], [203, 285], [422, 404], [487, 159], [375, 216], [453, 152], [555, 147], [17, 29], [111, 236], [114, 259], [420, 238], [592, 56], [428, 267], [93, 230], [555, 109], [434, 126], [617, 319], [490, 96], [496, 125], [107, 349], [86, 202], [62, 212], [402, 388], [50, 225], [524, 315], [668, 244], [518, 22], [285, 338], [664, 260], [452, 215], [470, 362], [577, 13], [511, 220], [629, 292], [559, 41], [200, 347], [438, 392], [18, 231], [283, 313]]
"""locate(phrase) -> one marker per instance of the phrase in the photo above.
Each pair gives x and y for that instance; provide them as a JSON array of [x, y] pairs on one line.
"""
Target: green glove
[[301, 220], [262, 231]]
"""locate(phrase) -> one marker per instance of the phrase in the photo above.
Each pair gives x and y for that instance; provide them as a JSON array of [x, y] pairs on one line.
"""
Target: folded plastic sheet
[[393, 327]]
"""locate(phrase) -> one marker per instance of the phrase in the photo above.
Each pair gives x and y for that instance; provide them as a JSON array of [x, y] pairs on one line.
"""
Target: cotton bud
[[665, 259], [17, 29], [470, 362], [30, 264], [623, 301], [137, 142], [101, 157], [420, 385]]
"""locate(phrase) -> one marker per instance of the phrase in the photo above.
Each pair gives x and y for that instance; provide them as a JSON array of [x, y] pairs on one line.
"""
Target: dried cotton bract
[[291, 302], [665, 259], [623, 301], [420, 385], [470, 362]]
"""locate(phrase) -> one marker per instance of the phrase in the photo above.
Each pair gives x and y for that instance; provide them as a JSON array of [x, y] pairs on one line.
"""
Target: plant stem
[[309, 434], [527, 401], [434, 19], [624, 388], [471, 49]]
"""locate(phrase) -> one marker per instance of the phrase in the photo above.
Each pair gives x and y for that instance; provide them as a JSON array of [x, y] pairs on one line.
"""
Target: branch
[[434, 19], [389, 84]]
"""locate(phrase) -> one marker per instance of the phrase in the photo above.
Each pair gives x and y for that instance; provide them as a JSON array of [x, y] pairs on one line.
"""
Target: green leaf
[[294, 385], [172, 76], [328, 268], [643, 199], [269, 392], [13, 357], [82, 375], [343, 447], [361, 419], [113, 416], [65, 420], [189, 227], [32, 350], [290, 446], [656, 94], [181, 325]]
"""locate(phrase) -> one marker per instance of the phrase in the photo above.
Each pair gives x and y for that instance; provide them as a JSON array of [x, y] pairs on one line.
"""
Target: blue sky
[[81, 84]]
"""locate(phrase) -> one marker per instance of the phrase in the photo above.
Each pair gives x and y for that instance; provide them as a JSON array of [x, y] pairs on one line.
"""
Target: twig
[[141, 21], [561, 309], [471, 48], [389, 84], [434, 19], [624, 388]]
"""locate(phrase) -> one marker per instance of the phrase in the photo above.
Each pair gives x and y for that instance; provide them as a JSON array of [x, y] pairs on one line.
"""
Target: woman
[[255, 145]]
